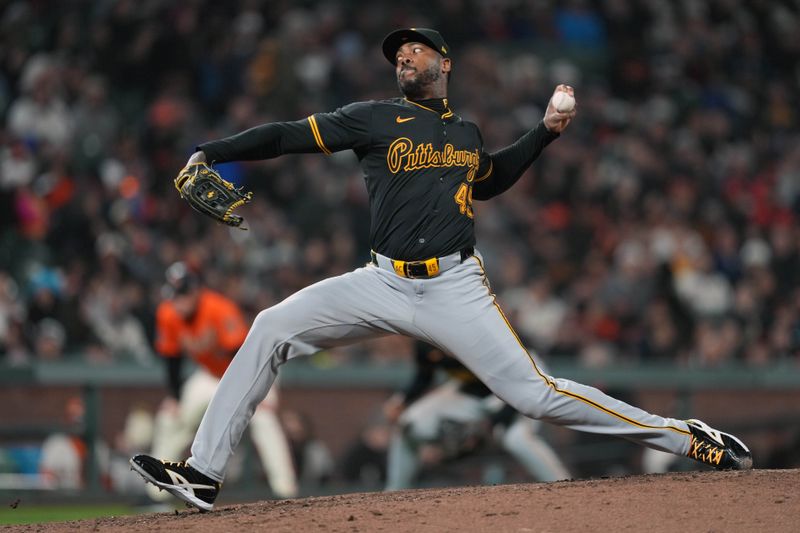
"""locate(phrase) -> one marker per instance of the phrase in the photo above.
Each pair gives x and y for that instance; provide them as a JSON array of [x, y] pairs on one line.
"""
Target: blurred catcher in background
[[193, 321]]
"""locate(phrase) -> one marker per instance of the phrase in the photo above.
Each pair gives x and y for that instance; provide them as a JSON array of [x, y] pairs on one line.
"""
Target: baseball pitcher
[[423, 167]]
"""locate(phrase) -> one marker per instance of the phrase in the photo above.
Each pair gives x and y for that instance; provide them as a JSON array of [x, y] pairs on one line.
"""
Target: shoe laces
[[179, 464], [704, 451]]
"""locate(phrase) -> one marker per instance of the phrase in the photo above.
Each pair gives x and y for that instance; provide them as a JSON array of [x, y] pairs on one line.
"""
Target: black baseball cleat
[[715, 448], [180, 479]]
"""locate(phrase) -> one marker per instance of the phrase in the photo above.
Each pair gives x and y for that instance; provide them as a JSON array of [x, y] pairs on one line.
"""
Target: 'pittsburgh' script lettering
[[402, 154]]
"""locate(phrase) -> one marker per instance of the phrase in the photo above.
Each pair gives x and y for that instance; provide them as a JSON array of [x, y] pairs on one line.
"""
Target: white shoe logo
[[180, 481], [711, 432]]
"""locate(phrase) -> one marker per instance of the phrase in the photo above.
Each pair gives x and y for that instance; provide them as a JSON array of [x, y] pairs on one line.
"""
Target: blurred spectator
[[41, 115], [12, 317], [679, 165], [96, 124], [49, 340], [17, 164], [65, 453], [120, 332]]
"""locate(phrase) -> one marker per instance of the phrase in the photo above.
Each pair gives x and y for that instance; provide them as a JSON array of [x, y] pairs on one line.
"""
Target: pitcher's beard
[[414, 89]]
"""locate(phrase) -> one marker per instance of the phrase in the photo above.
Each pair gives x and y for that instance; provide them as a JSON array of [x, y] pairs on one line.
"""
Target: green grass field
[[34, 514]]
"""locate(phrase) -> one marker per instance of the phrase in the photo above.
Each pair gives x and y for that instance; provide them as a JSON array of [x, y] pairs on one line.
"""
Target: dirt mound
[[757, 500]]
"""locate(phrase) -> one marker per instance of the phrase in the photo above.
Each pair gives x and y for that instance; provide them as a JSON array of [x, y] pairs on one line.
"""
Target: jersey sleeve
[[507, 165], [485, 168], [485, 164], [263, 142], [346, 128], [167, 331]]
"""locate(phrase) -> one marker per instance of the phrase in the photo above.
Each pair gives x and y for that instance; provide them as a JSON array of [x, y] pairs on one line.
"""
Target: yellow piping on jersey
[[317, 137], [552, 383], [446, 114], [488, 172]]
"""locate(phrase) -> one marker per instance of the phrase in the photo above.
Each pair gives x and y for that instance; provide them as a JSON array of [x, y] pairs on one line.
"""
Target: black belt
[[426, 268]]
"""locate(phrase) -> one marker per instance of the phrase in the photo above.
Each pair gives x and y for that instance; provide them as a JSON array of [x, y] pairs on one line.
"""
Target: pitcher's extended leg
[[478, 333]]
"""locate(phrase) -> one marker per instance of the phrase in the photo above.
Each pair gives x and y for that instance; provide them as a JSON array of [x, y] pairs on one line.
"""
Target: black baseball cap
[[180, 280], [427, 36]]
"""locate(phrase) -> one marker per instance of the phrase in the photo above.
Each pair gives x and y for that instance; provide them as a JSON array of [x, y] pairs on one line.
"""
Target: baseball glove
[[208, 193], [462, 438]]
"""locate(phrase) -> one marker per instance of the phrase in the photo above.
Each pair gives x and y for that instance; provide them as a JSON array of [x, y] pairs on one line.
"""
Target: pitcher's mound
[[757, 500]]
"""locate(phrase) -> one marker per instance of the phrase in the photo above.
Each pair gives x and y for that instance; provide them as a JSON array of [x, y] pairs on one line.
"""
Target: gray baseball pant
[[454, 311]]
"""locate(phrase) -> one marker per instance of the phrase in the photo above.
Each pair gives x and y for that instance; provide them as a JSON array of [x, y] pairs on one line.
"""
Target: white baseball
[[563, 102]]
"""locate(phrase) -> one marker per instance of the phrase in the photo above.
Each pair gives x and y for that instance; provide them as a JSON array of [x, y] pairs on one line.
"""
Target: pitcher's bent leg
[[244, 384], [332, 312]]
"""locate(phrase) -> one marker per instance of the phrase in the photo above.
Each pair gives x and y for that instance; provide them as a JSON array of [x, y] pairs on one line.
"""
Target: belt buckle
[[413, 269]]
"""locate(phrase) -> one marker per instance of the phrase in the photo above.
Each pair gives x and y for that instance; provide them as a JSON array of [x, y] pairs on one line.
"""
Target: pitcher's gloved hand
[[208, 193]]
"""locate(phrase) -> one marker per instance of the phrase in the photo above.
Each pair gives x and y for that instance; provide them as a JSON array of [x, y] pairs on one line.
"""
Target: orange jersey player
[[200, 323]]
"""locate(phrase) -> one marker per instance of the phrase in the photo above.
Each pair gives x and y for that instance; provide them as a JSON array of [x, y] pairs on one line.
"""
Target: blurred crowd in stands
[[663, 226]]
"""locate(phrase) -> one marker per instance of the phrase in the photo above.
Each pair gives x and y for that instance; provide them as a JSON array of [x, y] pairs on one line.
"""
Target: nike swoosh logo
[[401, 120]]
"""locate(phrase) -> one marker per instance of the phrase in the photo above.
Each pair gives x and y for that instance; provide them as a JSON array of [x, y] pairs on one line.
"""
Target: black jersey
[[422, 168], [419, 167]]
